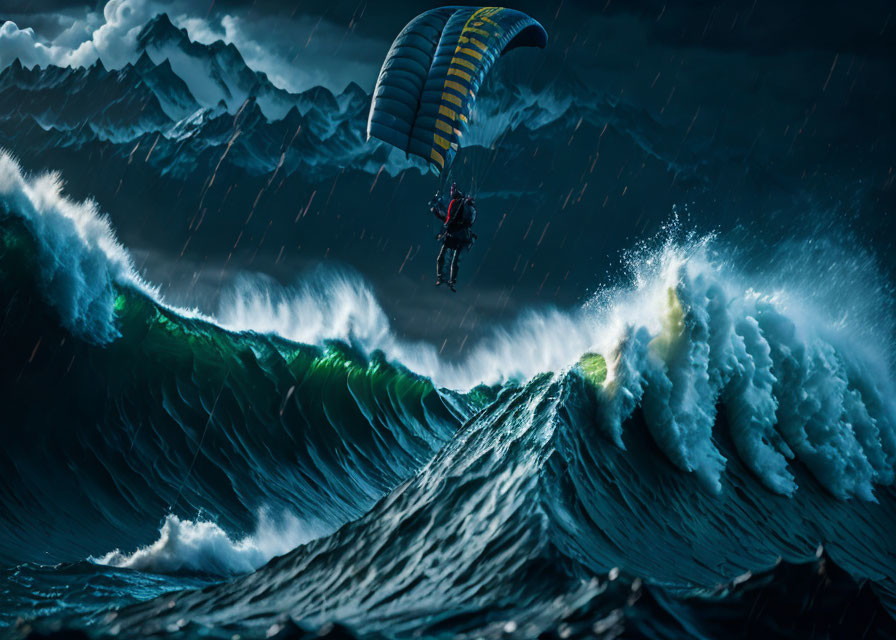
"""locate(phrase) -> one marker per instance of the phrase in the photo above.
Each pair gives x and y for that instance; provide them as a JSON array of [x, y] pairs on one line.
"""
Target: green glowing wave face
[[179, 414]]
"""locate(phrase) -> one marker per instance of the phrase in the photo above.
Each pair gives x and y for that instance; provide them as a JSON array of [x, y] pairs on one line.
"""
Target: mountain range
[[163, 100], [184, 98]]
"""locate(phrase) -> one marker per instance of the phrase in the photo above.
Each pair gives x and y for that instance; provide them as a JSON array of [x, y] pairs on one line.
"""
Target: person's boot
[[439, 280], [451, 286]]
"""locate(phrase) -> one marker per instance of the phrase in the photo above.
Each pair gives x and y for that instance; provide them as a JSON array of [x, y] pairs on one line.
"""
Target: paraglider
[[428, 83], [457, 231]]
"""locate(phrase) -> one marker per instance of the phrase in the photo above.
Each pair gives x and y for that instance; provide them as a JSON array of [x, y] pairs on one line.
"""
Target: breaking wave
[[793, 379], [791, 371], [204, 547], [80, 258], [160, 411], [734, 417]]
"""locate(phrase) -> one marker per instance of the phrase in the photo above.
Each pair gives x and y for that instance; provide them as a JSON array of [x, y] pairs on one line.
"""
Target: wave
[[691, 425], [340, 305], [142, 409], [711, 430], [204, 547], [79, 257], [791, 382], [526, 514], [81, 266]]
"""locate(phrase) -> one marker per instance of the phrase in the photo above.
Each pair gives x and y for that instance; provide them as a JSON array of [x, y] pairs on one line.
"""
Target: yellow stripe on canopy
[[456, 86], [453, 99], [443, 126], [462, 62], [464, 40], [409, 110], [460, 74]]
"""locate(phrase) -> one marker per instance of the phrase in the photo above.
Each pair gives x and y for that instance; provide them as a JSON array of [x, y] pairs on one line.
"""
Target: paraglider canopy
[[432, 73]]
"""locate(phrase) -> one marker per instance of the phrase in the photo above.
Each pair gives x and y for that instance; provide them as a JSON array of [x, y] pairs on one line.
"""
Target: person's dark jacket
[[458, 218]]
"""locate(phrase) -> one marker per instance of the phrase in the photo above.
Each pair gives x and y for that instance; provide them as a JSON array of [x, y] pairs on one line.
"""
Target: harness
[[454, 217], [456, 230]]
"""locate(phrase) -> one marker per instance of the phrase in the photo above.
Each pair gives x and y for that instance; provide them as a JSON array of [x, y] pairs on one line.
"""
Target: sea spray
[[80, 257], [201, 546], [691, 337]]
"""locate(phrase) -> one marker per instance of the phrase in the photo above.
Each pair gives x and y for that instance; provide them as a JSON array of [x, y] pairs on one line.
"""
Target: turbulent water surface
[[696, 446]]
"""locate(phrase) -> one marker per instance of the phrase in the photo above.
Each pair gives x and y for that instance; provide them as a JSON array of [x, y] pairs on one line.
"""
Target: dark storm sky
[[669, 57], [775, 90], [332, 42]]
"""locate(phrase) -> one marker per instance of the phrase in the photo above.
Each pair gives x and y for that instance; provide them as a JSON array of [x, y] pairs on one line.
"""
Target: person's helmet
[[454, 191]]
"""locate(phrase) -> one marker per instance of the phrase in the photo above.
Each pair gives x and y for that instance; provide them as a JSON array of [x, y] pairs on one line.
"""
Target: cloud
[[115, 40], [111, 37], [77, 31], [296, 52], [21, 44]]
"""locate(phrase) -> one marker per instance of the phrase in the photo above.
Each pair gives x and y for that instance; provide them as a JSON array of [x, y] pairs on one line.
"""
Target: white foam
[[794, 381], [331, 304], [80, 258], [203, 547]]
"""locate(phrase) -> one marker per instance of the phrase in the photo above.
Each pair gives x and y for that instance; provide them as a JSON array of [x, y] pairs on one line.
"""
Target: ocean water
[[700, 450]]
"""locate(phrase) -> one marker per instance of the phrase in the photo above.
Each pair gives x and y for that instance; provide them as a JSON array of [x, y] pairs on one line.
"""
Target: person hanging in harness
[[456, 234]]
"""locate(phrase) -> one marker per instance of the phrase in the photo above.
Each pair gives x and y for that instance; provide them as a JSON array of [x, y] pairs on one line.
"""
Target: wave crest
[[200, 546], [791, 383], [79, 256]]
